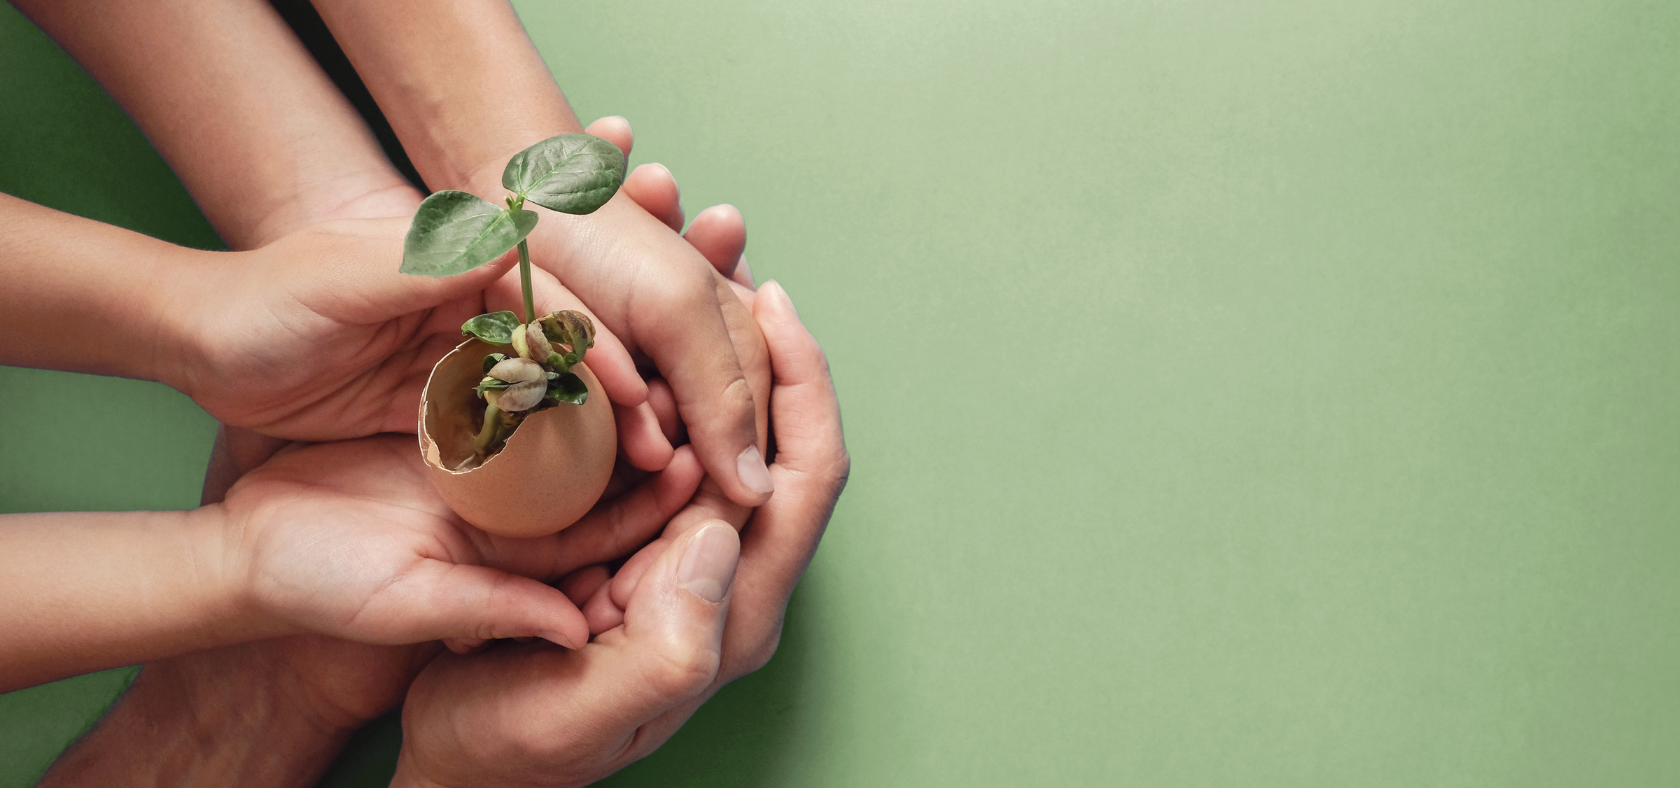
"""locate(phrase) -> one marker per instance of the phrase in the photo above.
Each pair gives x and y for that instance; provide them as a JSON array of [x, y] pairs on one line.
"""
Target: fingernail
[[750, 466], [557, 639], [708, 565]]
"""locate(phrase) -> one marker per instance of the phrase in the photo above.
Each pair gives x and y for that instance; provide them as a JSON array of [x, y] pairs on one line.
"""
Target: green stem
[[525, 280], [492, 425]]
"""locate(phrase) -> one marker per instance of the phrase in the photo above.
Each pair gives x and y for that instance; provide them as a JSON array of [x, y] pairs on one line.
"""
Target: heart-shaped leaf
[[571, 173], [455, 232], [567, 388]]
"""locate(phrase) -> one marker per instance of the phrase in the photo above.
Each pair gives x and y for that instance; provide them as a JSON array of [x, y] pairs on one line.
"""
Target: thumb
[[463, 601], [669, 648], [355, 278]]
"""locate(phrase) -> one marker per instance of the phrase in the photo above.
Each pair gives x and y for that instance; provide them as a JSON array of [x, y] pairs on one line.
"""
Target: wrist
[[225, 592], [181, 307]]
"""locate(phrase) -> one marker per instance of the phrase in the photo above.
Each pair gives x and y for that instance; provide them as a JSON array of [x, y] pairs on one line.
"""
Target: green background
[[1240, 393]]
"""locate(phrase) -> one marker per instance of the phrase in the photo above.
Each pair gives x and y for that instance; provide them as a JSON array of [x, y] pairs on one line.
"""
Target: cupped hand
[[668, 305], [348, 539], [704, 607], [317, 336]]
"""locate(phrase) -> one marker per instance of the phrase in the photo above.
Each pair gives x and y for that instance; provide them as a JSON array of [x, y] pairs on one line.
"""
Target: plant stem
[[525, 280], [492, 425]]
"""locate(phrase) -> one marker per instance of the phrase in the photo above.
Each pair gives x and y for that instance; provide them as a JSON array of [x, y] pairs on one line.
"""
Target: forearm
[[91, 590], [460, 81], [217, 718], [85, 296], [256, 131]]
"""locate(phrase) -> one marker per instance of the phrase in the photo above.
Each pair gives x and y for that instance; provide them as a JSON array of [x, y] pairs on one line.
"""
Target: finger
[[709, 503], [613, 530], [743, 294], [811, 469], [697, 343], [464, 645], [640, 438], [664, 405], [623, 585], [743, 274], [582, 584], [670, 645], [803, 407], [654, 188], [356, 279], [601, 612], [614, 129], [719, 234], [610, 362], [443, 600]]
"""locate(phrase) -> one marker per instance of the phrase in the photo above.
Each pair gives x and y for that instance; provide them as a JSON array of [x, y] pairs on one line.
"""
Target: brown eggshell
[[548, 474]]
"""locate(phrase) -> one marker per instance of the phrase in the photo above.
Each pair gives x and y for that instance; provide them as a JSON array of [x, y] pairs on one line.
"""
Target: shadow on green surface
[[743, 734]]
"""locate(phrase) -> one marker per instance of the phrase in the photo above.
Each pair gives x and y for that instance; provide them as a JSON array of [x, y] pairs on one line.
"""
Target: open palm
[[348, 539]]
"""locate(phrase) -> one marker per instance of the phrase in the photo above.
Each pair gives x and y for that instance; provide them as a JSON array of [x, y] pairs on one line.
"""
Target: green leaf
[[571, 173], [495, 328], [491, 360], [567, 388], [455, 232]]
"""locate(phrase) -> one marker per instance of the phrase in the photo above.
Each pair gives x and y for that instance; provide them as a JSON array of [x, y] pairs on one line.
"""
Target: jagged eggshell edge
[[548, 474]]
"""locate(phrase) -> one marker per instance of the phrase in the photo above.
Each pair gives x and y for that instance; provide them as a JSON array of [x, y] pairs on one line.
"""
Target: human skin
[[533, 715], [710, 236], [600, 706], [345, 539], [464, 89], [238, 715], [268, 148]]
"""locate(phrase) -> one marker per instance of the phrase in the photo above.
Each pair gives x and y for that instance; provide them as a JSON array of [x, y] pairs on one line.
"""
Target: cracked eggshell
[[547, 475]]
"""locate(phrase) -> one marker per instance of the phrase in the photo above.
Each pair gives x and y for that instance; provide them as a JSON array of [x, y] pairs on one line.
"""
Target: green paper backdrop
[[1277, 393]]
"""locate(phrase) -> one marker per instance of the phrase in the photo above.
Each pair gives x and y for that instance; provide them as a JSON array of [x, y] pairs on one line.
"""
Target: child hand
[[348, 539], [318, 337]]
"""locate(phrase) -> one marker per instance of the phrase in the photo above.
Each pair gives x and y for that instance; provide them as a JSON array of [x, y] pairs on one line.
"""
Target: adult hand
[[705, 608], [442, 72], [269, 714], [667, 304]]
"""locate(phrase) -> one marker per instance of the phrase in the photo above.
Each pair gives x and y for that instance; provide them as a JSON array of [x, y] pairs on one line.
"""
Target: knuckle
[[685, 294], [682, 669], [737, 397], [839, 471], [761, 654]]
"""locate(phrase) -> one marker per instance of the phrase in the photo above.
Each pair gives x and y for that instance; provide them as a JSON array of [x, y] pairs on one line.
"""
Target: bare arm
[[92, 590], [84, 296], [226, 717], [465, 89], [257, 133]]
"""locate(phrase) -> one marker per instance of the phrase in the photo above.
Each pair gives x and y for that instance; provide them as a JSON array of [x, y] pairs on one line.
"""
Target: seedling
[[454, 232]]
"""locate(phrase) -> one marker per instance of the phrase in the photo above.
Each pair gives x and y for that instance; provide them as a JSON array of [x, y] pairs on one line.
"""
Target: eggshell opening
[[547, 475]]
